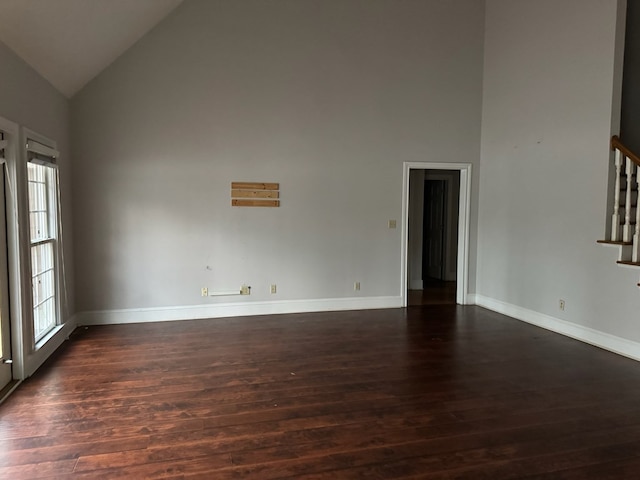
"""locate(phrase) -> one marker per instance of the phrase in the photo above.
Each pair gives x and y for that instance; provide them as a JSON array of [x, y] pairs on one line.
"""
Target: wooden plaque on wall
[[255, 194]]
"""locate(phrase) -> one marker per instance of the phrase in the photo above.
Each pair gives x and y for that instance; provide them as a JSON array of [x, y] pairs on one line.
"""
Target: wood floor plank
[[425, 392]]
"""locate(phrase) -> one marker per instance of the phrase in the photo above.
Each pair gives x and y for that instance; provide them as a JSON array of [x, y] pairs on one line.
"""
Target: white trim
[[472, 299], [588, 335], [237, 309], [8, 126], [12, 161], [464, 202], [26, 359], [463, 235], [35, 355], [39, 356], [10, 391]]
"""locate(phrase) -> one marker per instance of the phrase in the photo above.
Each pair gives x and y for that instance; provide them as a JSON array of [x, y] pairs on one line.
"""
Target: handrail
[[616, 144]]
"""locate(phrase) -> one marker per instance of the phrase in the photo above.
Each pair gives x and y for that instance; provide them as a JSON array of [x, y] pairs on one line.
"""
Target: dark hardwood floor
[[432, 392], [435, 292]]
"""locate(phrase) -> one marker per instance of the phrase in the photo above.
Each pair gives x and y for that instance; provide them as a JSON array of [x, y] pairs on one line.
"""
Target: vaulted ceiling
[[69, 42]]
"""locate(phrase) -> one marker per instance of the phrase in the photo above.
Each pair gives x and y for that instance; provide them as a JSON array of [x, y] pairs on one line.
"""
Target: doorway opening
[[435, 233], [432, 236]]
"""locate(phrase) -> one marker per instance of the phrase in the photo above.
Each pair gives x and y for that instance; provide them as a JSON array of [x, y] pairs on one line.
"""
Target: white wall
[[30, 101], [550, 81], [328, 98]]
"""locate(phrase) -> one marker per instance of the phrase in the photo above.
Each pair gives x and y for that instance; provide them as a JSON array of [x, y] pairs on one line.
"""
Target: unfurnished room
[[319, 239]]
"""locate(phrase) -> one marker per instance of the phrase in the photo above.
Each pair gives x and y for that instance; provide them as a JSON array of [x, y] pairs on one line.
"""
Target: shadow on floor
[[435, 292]]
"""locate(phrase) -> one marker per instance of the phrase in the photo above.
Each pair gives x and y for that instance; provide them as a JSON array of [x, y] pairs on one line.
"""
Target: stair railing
[[630, 233]]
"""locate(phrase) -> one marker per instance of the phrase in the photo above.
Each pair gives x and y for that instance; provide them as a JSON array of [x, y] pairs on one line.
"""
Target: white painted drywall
[[452, 227], [549, 83], [30, 101], [327, 98], [70, 41]]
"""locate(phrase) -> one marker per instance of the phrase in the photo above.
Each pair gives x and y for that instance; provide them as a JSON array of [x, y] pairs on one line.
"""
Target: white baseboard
[[238, 309], [588, 335]]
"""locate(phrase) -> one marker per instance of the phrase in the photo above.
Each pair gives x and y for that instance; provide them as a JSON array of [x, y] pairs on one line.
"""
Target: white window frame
[[48, 243], [34, 142], [26, 355]]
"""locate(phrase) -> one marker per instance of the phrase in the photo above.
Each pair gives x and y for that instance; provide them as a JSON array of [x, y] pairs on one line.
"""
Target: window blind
[[37, 152]]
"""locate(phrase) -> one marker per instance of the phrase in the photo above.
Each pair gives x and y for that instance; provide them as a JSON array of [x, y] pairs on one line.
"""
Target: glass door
[[5, 324]]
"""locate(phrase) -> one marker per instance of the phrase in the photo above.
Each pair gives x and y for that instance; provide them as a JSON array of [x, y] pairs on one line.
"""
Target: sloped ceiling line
[[69, 42]]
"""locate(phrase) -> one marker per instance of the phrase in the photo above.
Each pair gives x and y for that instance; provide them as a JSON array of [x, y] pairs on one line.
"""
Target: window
[[42, 181]]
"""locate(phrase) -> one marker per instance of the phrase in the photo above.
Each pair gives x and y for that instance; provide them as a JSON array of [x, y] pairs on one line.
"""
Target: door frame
[[6, 340], [464, 203], [12, 154]]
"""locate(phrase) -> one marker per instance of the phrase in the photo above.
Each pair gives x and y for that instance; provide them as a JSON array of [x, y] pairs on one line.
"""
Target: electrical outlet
[[356, 286], [392, 224], [245, 290], [204, 292], [274, 289], [561, 305]]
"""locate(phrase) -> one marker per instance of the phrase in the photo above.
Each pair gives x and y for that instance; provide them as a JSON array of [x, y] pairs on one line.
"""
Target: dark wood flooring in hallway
[[432, 392], [435, 292]]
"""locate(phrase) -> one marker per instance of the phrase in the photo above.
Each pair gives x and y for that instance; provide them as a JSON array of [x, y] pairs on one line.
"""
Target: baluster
[[626, 230], [615, 219], [635, 256]]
